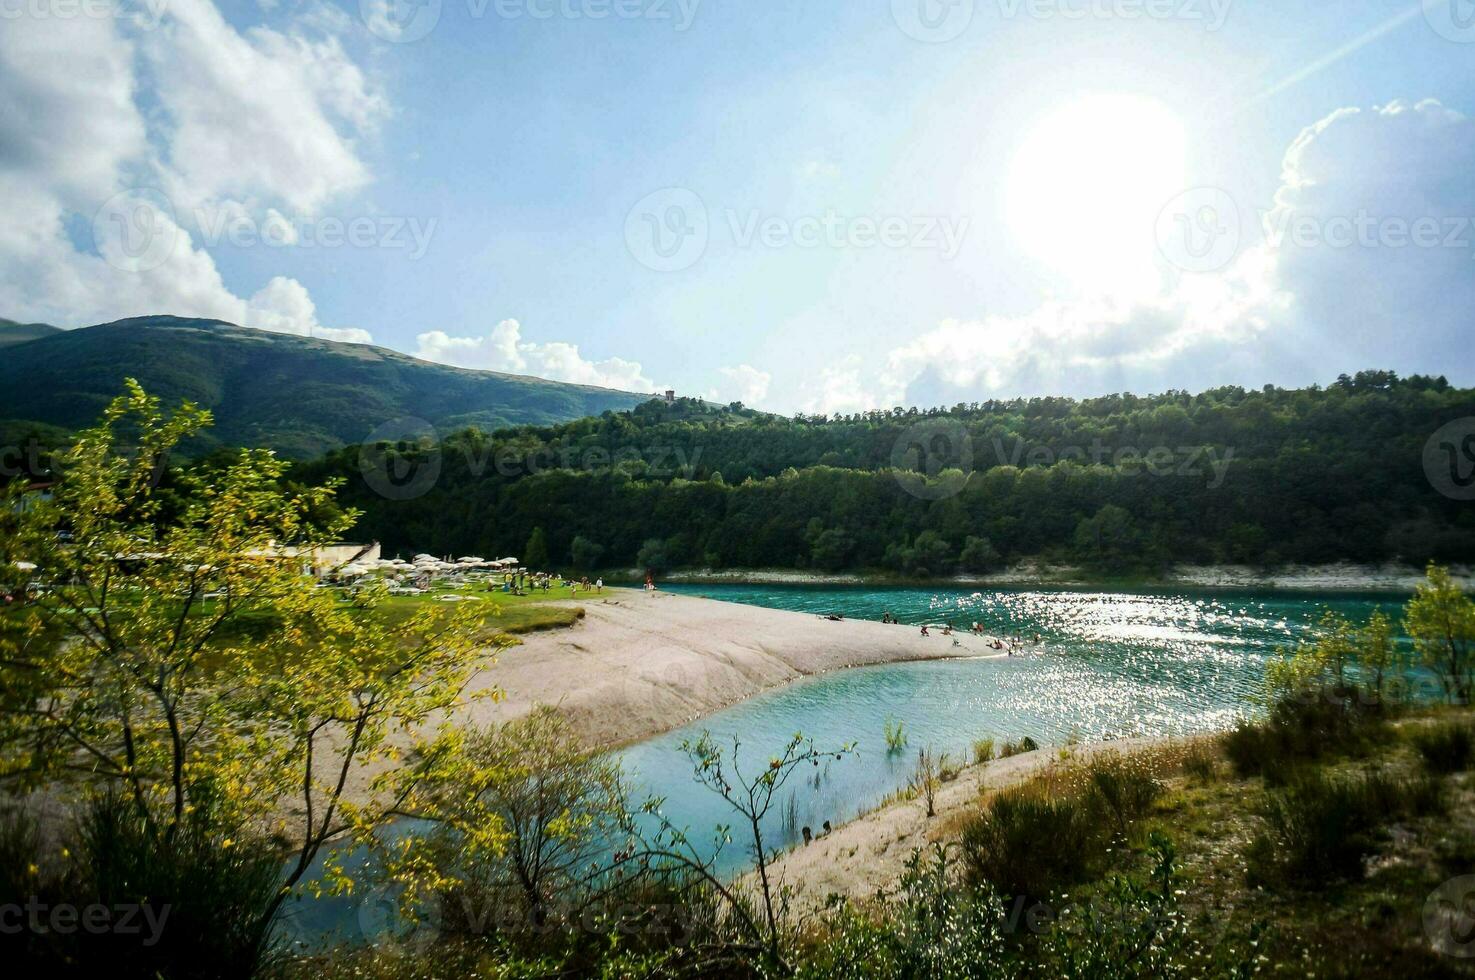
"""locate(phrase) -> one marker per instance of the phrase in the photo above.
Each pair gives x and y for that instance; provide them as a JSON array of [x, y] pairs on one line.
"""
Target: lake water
[[1108, 664]]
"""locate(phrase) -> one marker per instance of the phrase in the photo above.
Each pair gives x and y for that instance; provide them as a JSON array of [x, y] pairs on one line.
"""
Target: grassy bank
[[503, 612]]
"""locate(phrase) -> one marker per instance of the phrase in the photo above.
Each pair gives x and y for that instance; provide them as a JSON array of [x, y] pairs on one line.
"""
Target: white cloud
[[839, 390], [503, 349], [1294, 314], [747, 384], [263, 114], [107, 126], [284, 306]]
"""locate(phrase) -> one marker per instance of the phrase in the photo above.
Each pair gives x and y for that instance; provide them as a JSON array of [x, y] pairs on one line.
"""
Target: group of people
[[524, 583], [976, 629]]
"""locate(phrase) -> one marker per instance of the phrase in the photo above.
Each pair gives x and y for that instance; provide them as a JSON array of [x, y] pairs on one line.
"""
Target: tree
[[551, 806], [1109, 538], [535, 555], [653, 556], [1377, 652], [1441, 620], [172, 650], [927, 778], [585, 554], [752, 797], [931, 554], [979, 555], [831, 549]]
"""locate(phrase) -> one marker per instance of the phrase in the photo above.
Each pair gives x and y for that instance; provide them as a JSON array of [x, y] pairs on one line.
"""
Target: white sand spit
[[639, 664]]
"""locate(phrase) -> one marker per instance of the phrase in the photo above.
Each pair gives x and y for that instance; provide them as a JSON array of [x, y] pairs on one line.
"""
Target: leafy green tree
[[1441, 620], [535, 553], [653, 556], [931, 554], [831, 549], [174, 652], [1377, 651], [554, 806], [979, 555], [1109, 537], [585, 553]]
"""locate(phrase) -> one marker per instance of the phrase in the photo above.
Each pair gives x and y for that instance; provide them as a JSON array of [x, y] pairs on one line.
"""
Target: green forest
[[1118, 483]]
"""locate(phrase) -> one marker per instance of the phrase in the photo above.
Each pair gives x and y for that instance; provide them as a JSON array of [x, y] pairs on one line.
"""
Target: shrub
[[1304, 725], [1320, 826], [1029, 843], [1201, 763], [1020, 747], [983, 750], [1125, 787], [1446, 748], [202, 898], [896, 735], [1056, 829], [932, 929]]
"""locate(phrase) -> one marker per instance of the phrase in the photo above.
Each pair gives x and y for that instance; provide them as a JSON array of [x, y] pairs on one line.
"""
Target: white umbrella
[[352, 571]]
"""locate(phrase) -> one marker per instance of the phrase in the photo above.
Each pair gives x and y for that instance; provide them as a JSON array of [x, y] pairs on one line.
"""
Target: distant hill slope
[[12, 333], [298, 395]]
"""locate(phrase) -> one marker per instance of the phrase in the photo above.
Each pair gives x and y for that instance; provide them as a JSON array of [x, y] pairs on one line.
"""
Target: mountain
[[12, 333], [298, 395]]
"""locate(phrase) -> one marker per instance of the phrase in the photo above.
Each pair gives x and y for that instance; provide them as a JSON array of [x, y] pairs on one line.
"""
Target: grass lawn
[[505, 613]]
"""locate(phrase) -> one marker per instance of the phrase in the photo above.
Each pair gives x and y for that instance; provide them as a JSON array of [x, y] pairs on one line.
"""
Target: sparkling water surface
[[1108, 664]]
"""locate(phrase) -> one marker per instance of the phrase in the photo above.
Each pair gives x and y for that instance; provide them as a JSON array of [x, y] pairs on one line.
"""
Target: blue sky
[[1031, 168]]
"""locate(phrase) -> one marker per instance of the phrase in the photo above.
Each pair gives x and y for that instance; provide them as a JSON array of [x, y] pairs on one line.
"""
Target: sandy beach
[[639, 664]]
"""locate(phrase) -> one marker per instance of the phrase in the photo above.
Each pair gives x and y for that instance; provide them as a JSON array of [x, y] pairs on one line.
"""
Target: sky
[[806, 206]]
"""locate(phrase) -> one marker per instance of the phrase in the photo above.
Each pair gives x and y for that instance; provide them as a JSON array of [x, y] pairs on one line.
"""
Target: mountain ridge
[[299, 395]]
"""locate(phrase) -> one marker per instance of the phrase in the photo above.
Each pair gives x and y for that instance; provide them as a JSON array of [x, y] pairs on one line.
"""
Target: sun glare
[[1088, 183]]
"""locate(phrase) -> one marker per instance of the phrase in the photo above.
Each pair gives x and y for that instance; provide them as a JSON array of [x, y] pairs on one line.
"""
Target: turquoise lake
[[1108, 664]]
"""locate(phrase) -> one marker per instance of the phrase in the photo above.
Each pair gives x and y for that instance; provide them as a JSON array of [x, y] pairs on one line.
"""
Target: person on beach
[[599, 585], [924, 630]]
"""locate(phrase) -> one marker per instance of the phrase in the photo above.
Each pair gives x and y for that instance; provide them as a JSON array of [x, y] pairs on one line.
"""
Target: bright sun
[[1089, 182]]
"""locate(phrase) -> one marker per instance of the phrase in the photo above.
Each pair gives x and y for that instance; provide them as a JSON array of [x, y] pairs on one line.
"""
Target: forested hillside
[[298, 395], [20, 333], [1120, 482]]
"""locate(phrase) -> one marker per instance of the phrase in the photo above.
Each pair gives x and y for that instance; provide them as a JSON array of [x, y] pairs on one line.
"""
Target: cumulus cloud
[[1296, 306], [1371, 232], [113, 136], [503, 349], [264, 114], [745, 384]]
